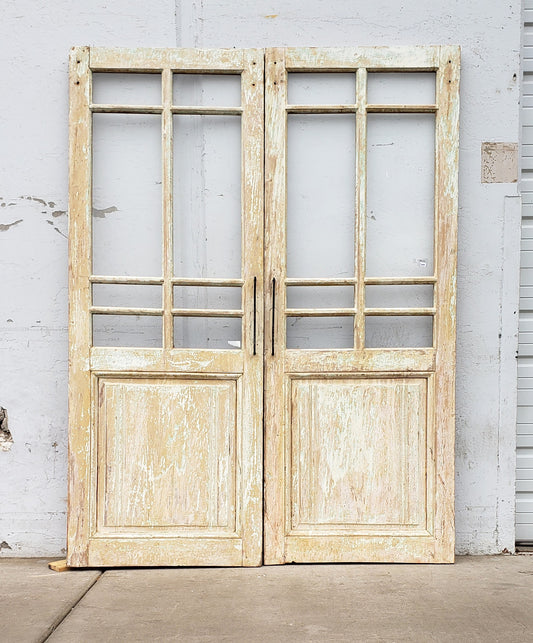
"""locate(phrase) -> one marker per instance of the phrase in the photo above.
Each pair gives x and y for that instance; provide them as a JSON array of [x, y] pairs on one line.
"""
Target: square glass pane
[[399, 332], [127, 295], [320, 195], [225, 298], [320, 332], [401, 88], [407, 296], [213, 90], [134, 331], [400, 195], [126, 192], [321, 88], [207, 196], [215, 333], [320, 296], [126, 89]]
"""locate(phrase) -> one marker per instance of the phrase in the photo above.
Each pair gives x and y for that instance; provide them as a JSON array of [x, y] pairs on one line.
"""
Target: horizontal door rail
[[203, 281], [344, 281], [205, 312], [122, 310], [321, 109], [402, 109], [319, 312], [141, 281], [126, 109], [214, 111], [399, 281], [393, 312]]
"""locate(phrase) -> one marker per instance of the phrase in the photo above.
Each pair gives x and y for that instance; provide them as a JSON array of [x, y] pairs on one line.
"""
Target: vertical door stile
[[275, 208], [252, 270], [80, 434], [360, 218], [447, 140], [168, 208]]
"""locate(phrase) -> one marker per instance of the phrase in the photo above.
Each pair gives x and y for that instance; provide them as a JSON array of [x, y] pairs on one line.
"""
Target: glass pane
[[398, 332], [128, 295], [321, 88], [320, 332], [207, 332], [127, 331], [207, 297], [126, 89], [401, 88], [320, 195], [127, 194], [400, 189], [418, 296], [320, 296], [214, 90], [207, 196]]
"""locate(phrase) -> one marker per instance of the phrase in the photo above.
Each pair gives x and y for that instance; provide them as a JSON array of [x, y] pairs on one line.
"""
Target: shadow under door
[[262, 305]]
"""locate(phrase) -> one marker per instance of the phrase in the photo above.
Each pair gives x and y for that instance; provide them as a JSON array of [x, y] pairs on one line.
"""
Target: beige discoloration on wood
[[166, 444], [377, 424], [170, 454], [359, 443], [79, 303]]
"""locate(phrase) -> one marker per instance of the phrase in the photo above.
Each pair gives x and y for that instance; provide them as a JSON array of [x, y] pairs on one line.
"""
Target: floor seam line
[[67, 613]]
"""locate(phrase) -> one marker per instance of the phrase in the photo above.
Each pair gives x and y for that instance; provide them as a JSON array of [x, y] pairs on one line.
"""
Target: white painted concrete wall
[[35, 38]]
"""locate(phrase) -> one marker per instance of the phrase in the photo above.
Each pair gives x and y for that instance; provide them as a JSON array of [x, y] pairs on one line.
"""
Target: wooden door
[[361, 206], [352, 318], [166, 368]]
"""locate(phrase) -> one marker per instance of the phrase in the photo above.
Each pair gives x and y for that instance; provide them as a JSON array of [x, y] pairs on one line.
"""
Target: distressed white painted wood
[[359, 442], [165, 444]]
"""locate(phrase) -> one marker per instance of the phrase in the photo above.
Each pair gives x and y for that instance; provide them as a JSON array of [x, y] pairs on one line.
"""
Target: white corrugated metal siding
[[524, 438]]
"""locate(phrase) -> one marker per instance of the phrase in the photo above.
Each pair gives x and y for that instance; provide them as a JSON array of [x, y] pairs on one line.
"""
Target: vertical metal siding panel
[[524, 472]]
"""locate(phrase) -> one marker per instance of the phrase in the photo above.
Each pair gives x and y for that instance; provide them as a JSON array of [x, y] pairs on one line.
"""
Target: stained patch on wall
[[499, 162], [6, 439]]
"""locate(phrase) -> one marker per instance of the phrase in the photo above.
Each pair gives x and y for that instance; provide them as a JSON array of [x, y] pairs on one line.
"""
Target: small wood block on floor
[[59, 566]]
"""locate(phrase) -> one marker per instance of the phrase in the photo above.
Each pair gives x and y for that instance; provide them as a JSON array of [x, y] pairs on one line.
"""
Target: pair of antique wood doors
[[266, 376]]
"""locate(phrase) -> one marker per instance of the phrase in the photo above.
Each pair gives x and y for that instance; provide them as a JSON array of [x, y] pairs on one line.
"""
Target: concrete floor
[[477, 599]]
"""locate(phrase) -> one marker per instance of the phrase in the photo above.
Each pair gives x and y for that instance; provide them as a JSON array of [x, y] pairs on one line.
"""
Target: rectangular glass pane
[[207, 297], [207, 196], [401, 88], [132, 331], [320, 296], [320, 195], [126, 188], [399, 332], [127, 295], [320, 332], [213, 90], [215, 333], [321, 88], [126, 89], [400, 195], [417, 296]]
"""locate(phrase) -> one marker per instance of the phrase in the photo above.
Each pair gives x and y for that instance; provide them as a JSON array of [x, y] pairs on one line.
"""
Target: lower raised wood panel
[[360, 469], [166, 454]]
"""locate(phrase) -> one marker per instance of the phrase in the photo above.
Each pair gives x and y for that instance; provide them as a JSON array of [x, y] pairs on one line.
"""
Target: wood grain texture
[[166, 444], [80, 340], [170, 455], [359, 442]]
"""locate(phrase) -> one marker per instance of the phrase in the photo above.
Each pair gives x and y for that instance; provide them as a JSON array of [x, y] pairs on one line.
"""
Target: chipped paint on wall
[[499, 162]]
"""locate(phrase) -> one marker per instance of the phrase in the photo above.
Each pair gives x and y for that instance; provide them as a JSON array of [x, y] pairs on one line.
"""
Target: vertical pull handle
[[273, 311], [255, 315]]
